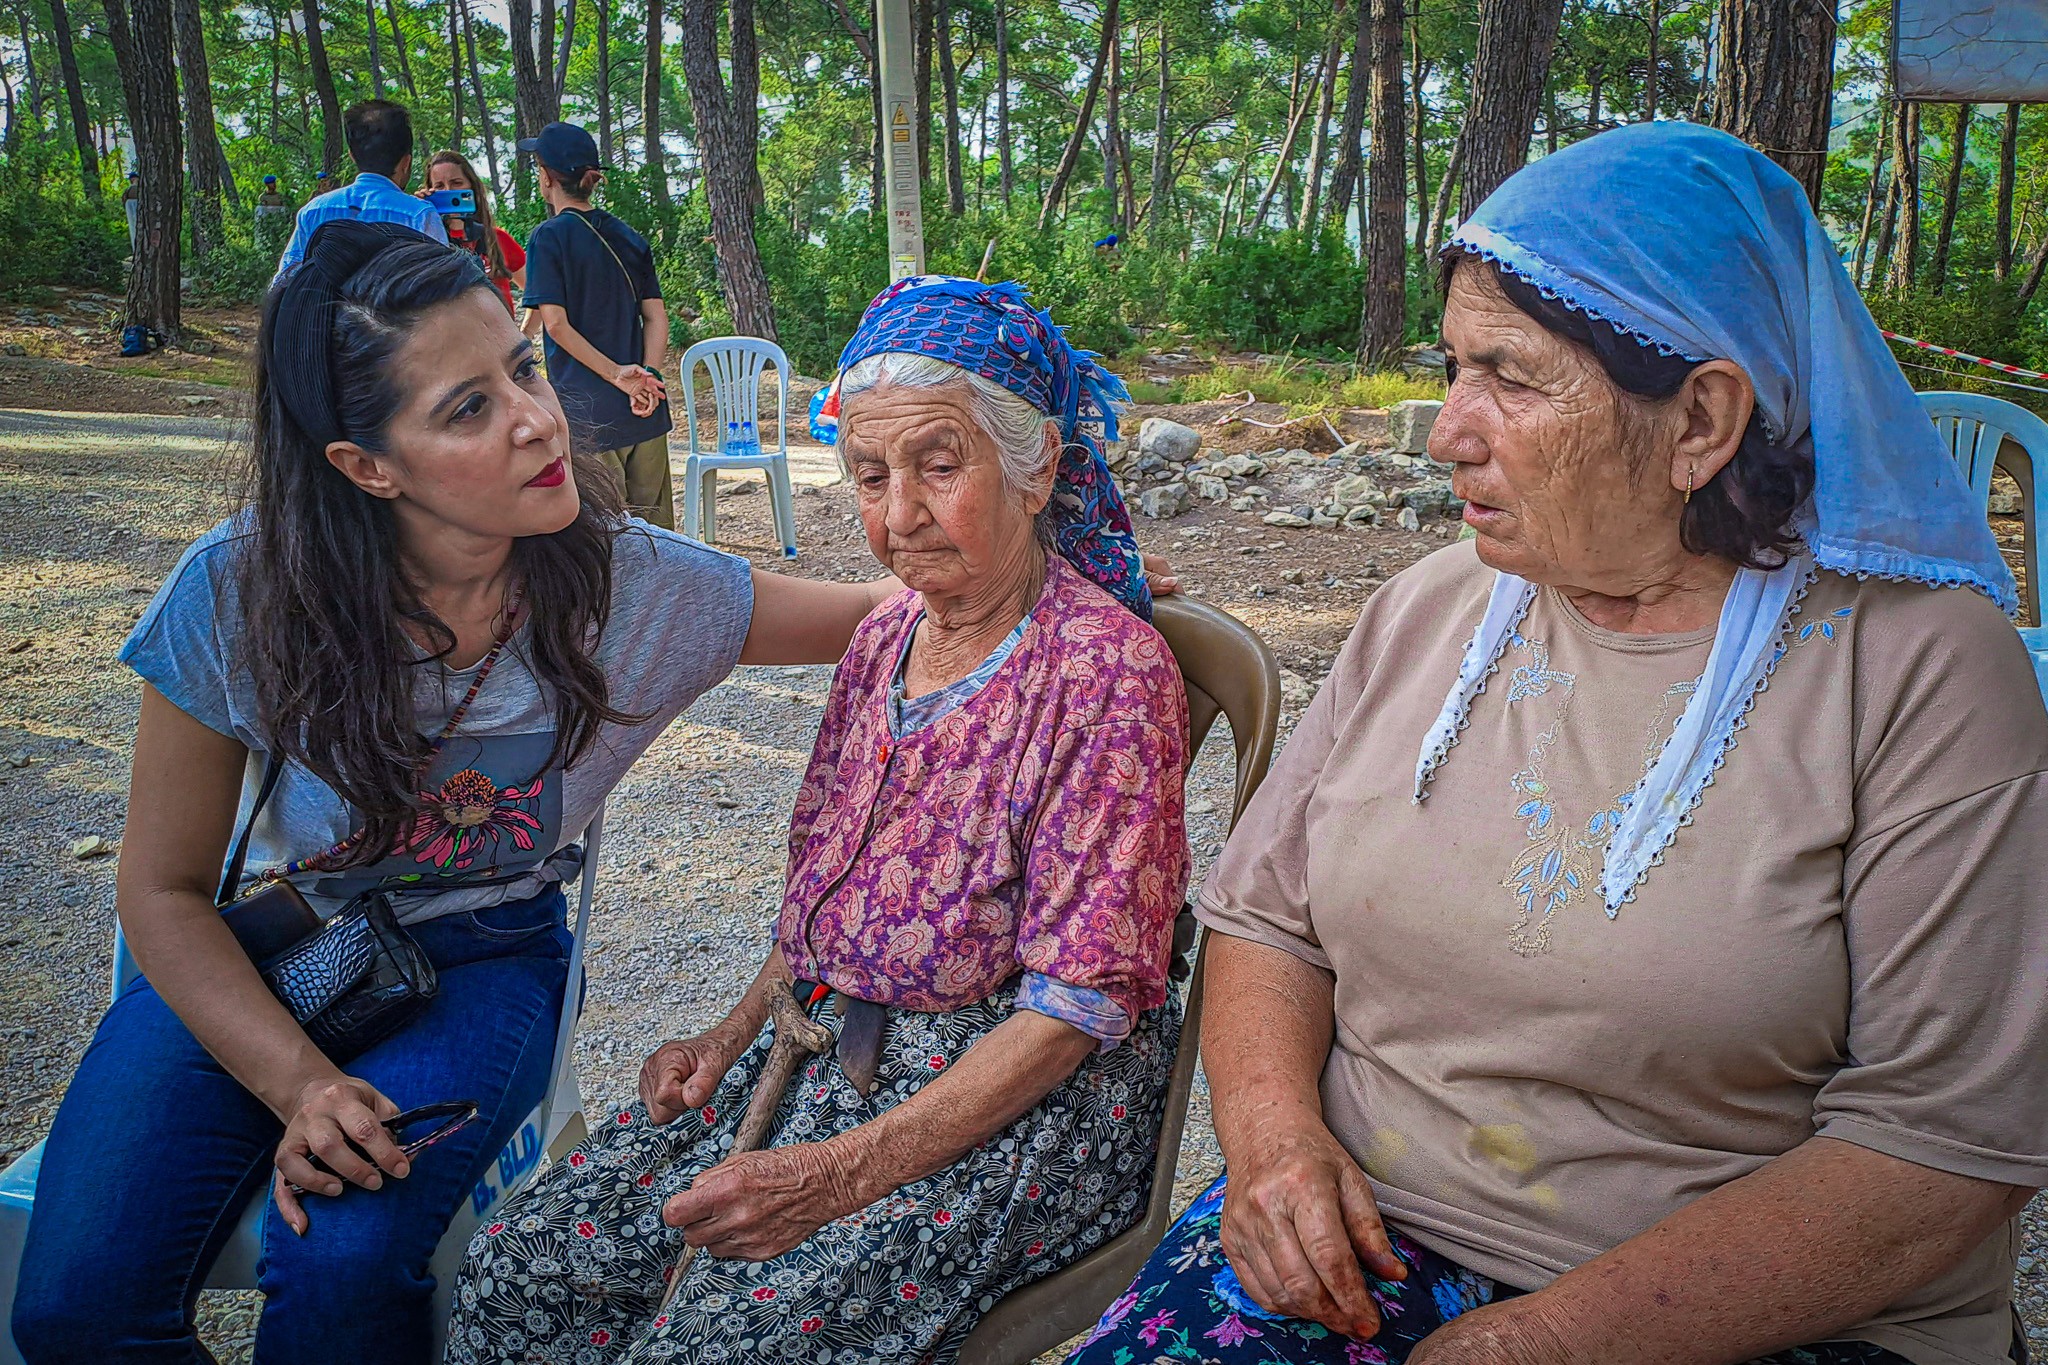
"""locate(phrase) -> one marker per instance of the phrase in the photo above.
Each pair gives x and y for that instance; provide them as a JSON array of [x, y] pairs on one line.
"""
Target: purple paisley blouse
[[1036, 828]]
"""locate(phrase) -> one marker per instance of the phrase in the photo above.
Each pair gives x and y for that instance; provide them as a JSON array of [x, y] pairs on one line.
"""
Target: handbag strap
[[639, 322], [273, 768]]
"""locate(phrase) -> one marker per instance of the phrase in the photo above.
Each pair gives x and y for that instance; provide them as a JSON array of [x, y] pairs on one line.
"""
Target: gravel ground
[[95, 511]]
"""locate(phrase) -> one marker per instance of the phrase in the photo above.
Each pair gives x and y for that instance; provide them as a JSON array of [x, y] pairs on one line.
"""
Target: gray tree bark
[[726, 122], [949, 84], [150, 80], [200, 136], [1958, 149], [333, 147], [1509, 69], [1007, 172], [1351, 134], [74, 95], [1774, 81], [1384, 321], [650, 108], [1072, 154], [2008, 163]]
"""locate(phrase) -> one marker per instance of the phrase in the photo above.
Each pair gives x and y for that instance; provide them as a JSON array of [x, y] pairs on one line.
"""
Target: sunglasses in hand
[[447, 1117]]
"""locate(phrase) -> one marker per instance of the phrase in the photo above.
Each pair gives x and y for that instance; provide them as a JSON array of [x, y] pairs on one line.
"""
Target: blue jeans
[[156, 1151]]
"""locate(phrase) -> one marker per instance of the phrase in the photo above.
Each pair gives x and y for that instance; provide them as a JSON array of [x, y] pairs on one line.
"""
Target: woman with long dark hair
[[504, 259], [439, 634]]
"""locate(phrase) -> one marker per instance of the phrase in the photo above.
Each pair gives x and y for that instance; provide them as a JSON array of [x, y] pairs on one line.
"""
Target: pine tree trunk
[[2033, 282], [1774, 81], [333, 148], [1656, 26], [1872, 197], [74, 95], [529, 85], [1008, 172], [921, 62], [1112, 118], [1509, 70], [1444, 189], [604, 81], [1385, 318], [455, 71], [1162, 141], [949, 83], [1351, 134], [1958, 149], [200, 136], [398, 46], [376, 48], [2008, 163], [562, 51], [476, 87], [1072, 155], [150, 80], [30, 80], [724, 118], [1906, 260], [1299, 102], [1319, 136], [1418, 77], [277, 75], [650, 108], [1888, 216]]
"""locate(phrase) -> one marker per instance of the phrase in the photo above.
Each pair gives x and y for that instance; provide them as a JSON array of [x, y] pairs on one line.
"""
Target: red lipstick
[[550, 477]]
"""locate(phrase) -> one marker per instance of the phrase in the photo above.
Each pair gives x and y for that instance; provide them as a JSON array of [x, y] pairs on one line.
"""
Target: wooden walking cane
[[798, 1038]]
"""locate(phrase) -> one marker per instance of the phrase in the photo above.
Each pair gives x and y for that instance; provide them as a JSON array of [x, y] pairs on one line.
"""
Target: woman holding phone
[[504, 259], [436, 624]]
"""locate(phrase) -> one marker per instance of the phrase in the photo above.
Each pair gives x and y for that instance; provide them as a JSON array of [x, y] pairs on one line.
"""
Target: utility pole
[[893, 62]]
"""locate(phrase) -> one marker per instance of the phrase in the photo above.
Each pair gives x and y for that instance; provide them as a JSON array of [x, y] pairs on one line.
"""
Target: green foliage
[[1983, 320], [53, 236], [1273, 293]]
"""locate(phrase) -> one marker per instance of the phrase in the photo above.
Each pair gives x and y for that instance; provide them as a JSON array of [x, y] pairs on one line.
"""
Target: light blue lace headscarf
[[1698, 244]]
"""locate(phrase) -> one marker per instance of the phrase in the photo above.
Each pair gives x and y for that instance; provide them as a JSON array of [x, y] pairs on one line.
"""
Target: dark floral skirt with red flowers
[[572, 1271]]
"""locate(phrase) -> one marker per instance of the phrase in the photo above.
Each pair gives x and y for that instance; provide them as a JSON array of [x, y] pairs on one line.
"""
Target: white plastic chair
[[735, 365], [1981, 432], [554, 1126]]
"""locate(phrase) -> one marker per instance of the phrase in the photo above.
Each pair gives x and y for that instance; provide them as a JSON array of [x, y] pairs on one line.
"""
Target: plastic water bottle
[[732, 439], [750, 444]]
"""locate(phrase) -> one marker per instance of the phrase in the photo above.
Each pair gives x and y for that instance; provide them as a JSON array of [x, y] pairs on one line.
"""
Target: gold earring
[[1688, 483]]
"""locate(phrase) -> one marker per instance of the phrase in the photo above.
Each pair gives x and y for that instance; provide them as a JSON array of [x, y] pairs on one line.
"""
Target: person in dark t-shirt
[[591, 279]]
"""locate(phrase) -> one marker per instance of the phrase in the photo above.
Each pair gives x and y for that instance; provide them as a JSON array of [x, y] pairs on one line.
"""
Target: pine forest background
[[1278, 172]]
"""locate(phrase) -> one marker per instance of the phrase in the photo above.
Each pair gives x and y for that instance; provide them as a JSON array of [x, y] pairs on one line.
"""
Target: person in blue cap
[[590, 278], [271, 198]]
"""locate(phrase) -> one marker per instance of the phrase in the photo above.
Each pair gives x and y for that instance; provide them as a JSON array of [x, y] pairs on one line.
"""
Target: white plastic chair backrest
[[1973, 425], [735, 365]]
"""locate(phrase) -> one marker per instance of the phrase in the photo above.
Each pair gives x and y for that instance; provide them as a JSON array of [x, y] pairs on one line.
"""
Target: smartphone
[[453, 203]]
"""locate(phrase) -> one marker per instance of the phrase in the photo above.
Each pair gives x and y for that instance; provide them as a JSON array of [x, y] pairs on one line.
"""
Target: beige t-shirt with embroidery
[[1850, 938]]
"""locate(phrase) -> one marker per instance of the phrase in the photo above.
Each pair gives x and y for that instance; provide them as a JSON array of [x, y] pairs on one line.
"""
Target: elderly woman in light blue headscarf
[[1711, 1028]]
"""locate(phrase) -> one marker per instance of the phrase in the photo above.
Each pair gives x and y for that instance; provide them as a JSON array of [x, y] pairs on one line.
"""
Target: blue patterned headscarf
[[993, 331], [1693, 242]]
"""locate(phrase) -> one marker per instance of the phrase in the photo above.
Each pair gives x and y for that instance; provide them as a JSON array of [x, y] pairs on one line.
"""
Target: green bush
[[1272, 293], [53, 235]]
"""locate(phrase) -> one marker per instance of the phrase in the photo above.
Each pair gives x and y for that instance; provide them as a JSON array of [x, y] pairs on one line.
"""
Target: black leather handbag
[[351, 981]]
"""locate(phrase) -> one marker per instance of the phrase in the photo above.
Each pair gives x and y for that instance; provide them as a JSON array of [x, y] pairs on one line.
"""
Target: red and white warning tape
[[1954, 354]]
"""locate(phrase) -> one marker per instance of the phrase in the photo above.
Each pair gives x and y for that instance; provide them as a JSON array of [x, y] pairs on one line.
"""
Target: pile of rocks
[[1360, 485]]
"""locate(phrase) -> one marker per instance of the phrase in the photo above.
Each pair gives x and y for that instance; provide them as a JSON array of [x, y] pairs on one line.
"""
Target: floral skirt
[[1187, 1304], [572, 1270]]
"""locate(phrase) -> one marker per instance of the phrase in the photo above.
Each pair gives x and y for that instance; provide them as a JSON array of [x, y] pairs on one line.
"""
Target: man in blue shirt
[[380, 143], [590, 279]]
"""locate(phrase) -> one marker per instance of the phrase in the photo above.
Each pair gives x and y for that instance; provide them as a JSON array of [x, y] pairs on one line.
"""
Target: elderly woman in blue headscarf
[[1711, 1028], [985, 862]]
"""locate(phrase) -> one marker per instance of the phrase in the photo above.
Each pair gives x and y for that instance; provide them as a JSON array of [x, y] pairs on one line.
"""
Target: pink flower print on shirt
[[470, 815]]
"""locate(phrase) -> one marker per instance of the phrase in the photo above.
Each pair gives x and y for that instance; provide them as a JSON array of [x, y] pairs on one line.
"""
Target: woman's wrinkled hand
[[1159, 576], [683, 1075], [332, 1114], [758, 1205], [1301, 1230]]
